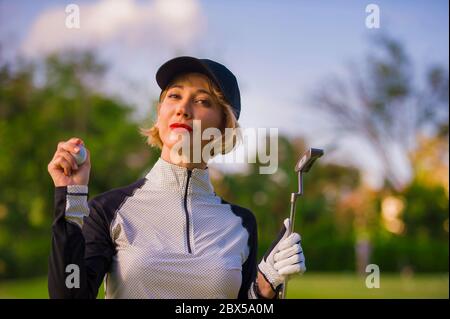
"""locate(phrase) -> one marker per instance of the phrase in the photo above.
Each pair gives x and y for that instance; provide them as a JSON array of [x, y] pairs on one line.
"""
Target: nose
[[184, 108]]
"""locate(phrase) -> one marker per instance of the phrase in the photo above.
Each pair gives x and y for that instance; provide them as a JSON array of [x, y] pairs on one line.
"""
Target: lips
[[177, 125]]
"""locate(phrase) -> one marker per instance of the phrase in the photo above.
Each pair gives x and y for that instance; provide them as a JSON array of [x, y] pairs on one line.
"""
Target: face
[[187, 99]]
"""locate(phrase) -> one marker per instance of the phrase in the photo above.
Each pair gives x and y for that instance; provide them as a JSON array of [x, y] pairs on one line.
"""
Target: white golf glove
[[285, 257]]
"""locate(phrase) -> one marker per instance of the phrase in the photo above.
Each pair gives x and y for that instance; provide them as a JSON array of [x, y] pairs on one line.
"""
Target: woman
[[167, 235]]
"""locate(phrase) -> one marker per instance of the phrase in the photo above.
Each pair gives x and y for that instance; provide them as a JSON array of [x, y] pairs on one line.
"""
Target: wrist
[[263, 287], [77, 189], [77, 207], [269, 275]]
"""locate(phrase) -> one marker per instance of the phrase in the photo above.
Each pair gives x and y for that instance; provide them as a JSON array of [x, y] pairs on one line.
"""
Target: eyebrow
[[182, 87]]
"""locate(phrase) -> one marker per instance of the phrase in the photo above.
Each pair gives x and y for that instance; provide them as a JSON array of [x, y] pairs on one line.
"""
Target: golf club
[[303, 166]]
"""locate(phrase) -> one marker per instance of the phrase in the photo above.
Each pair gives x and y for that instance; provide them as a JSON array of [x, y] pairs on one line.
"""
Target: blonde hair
[[228, 141]]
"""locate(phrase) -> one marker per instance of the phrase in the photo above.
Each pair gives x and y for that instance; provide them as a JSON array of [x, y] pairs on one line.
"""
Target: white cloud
[[118, 23]]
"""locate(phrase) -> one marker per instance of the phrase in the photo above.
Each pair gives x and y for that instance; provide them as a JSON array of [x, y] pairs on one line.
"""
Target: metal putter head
[[305, 163]]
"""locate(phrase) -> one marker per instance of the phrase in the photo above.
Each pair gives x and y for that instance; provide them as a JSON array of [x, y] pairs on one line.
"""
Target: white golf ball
[[81, 156]]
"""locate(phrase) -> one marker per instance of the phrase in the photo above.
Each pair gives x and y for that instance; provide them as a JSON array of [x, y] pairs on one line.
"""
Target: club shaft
[[303, 166], [292, 221]]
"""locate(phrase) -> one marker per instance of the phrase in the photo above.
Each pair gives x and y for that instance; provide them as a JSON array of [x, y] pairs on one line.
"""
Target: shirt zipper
[[186, 211]]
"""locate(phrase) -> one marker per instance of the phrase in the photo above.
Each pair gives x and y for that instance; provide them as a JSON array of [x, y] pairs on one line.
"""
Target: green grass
[[310, 285], [24, 289], [343, 286], [28, 289]]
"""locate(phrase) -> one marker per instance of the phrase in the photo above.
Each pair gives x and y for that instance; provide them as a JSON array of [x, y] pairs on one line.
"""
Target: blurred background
[[372, 93]]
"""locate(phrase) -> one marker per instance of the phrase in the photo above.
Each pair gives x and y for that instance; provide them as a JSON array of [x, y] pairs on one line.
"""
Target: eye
[[173, 96], [204, 102]]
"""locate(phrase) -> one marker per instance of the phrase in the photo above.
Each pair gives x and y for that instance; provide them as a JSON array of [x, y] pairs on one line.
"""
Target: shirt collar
[[171, 177]]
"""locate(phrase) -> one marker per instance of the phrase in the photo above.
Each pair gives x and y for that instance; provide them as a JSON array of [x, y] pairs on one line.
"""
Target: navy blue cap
[[218, 73]]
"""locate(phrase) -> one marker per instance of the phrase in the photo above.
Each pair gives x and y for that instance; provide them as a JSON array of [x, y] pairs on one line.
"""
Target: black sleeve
[[249, 267], [90, 248]]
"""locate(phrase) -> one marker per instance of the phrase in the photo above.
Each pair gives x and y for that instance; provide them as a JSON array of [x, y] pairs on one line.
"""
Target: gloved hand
[[284, 257]]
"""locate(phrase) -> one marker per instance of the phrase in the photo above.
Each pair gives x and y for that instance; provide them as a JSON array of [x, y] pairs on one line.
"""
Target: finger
[[284, 232], [68, 146], [286, 253], [292, 269], [61, 162], [70, 159], [65, 165], [76, 140], [291, 240], [286, 262], [287, 223]]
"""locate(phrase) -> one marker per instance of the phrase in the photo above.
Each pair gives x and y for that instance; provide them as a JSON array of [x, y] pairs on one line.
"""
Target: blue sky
[[280, 51]]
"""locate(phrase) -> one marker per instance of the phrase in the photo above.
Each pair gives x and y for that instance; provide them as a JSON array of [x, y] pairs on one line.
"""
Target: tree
[[41, 104], [384, 105]]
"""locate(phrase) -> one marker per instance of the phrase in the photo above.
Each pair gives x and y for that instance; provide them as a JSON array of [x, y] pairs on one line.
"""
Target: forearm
[[260, 288], [68, 247]]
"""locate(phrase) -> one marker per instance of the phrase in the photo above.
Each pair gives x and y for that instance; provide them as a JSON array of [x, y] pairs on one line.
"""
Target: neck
[[165, 155]]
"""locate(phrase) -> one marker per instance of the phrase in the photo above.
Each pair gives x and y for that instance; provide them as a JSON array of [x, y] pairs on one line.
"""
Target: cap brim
[[179, 65]]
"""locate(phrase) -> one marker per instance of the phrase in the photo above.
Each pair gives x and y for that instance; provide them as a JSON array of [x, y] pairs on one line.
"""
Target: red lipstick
[[176, 125]]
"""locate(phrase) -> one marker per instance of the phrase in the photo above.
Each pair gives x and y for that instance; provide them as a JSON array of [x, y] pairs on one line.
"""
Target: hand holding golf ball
[[70, 164]]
